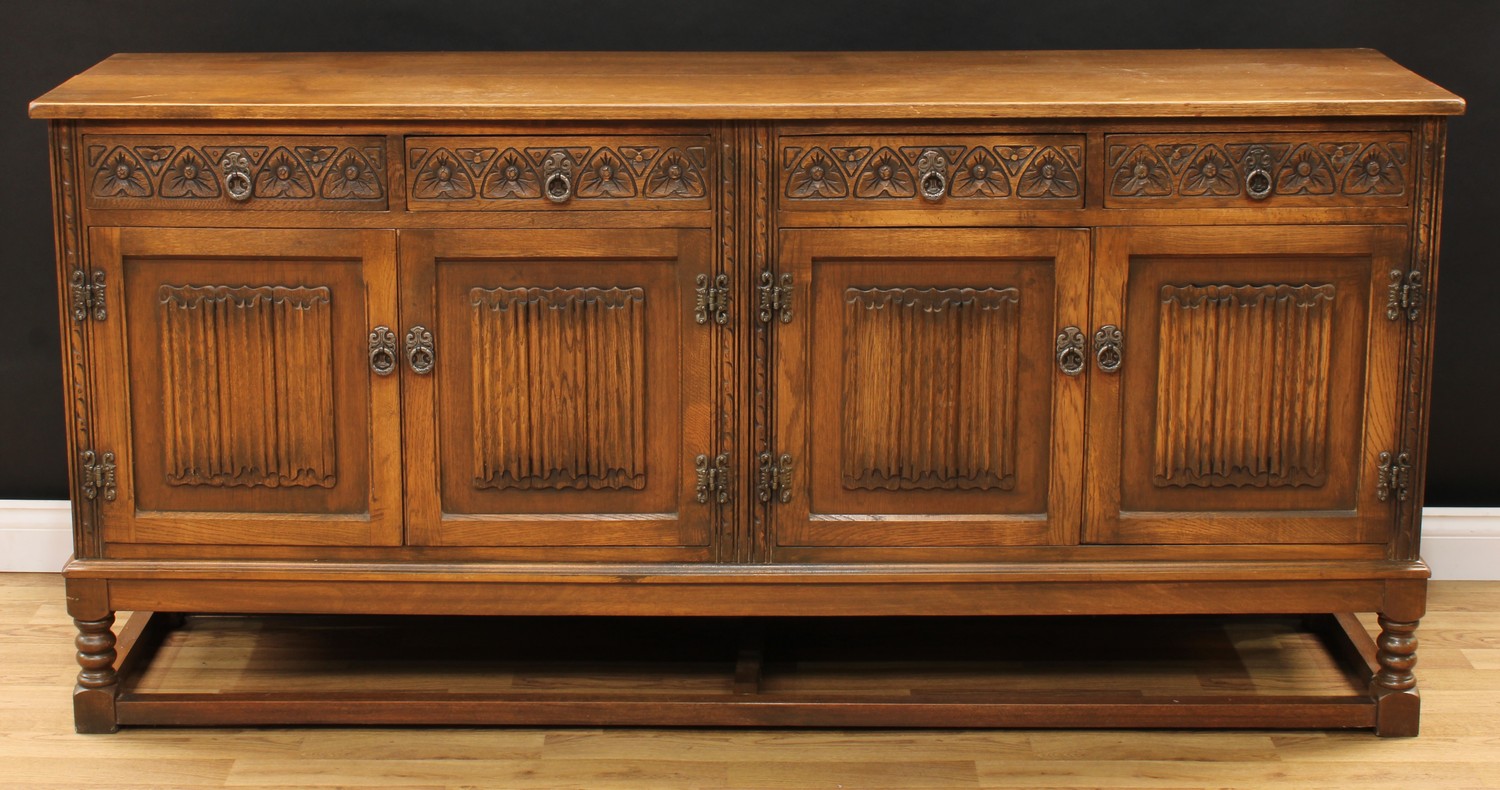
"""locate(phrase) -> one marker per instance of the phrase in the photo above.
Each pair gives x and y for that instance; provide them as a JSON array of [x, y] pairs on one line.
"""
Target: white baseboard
[[36, 535], [1458, 542], [1462, 542]]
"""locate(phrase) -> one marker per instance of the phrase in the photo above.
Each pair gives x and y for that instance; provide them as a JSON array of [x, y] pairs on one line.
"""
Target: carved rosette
[[1216, 168], [448, 174], [971, 170]]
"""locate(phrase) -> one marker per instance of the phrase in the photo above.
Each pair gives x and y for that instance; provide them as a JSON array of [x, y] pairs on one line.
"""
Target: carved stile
[[930, 388], [559, 388], [1243, 385]]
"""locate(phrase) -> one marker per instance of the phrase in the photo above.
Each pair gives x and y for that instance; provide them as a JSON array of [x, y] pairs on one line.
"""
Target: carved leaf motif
[[1141, 173], [605, 176], [121, 174], [980, 175], [511, 177], [675, 176], [1014, 157], [249, 398], [352, 177], [1176, 155], [885, 175], [442, 177], [189, 176], [559, 388], [316, 157], [154, 156], [816, 176], [1211, 173], [475, 159], [851, 157], [1243, 385], [1374, 170], [930, 388], [1306, 172], [283, 176], [638, 158], [1049, 175]]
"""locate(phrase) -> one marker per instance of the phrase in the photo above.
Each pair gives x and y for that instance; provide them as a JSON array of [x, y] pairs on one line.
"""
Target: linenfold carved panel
[[1310, 168], [485, 173], [184, 171], [874, 171], [1243, 385], [930, 388], [559, 388], [247, 385]]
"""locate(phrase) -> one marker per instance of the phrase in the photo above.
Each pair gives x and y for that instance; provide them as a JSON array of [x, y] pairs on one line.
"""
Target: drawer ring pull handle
[[934, 186], [382, 351], [1258, 183], [558, 187], [236, 167], [420, 354], [932, 169], [1108, 351], [1070, 351]]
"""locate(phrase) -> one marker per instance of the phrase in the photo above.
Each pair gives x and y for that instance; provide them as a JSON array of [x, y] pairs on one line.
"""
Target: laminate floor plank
[[1458, 668]]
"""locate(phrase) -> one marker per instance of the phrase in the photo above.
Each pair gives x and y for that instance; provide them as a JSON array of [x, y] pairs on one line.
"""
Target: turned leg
[[1394, 686], [94, 696]]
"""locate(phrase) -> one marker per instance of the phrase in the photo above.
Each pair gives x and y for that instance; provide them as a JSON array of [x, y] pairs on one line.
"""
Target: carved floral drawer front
[[549, 173], [957, 171], [1227, 170], [234, 172]]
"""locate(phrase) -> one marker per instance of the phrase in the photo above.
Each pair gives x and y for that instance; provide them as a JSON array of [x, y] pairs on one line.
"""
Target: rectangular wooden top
[[738, 85]]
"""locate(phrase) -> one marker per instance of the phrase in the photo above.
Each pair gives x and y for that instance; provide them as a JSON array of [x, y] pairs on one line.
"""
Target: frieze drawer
[[550, 173], [955, 171], [235, 172], [1240, 170]]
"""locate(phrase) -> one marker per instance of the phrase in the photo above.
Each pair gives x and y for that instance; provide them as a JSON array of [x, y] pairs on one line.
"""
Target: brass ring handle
[[1070, 351], [558, 187], [382, 351], [1108, 351], [420, 354], [236, 167], [1258, 183]]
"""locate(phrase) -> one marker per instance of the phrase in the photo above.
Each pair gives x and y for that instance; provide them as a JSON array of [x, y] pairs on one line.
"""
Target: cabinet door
[[234, 387], [570, 391], [919, 398], [1258, 385]]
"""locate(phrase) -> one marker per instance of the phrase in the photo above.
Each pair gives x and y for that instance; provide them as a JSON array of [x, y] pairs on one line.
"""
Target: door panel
[[571, 390], [918, 392], [1246, 409], [243, 409]]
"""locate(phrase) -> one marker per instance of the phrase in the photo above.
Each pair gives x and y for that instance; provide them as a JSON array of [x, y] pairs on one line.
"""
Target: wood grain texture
[[710, 86], [947, 417], [248, 395], [1243, 385], [560, 390]]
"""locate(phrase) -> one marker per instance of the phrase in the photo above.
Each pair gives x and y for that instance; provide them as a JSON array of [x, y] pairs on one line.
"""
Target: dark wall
[[1452, 42]]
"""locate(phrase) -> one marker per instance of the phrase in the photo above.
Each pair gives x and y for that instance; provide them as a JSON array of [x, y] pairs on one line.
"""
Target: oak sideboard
[[797, 334]]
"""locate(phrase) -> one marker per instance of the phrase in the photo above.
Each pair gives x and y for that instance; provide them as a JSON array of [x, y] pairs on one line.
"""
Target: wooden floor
[[1459, 669]]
